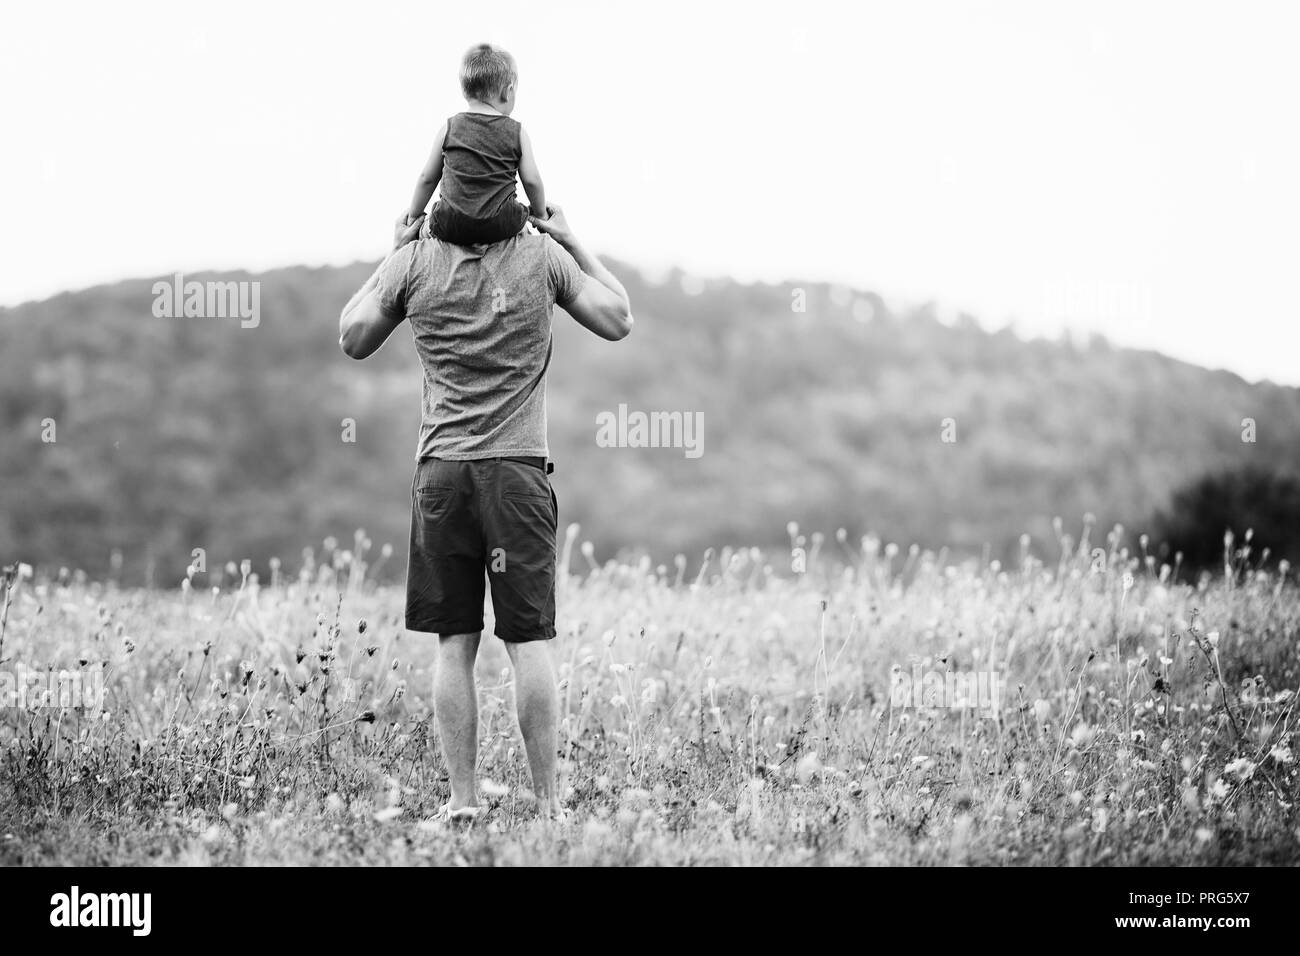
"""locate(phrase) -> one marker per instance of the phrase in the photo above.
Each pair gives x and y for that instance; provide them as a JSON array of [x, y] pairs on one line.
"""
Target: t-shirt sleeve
[[562, 272], [392, 284]]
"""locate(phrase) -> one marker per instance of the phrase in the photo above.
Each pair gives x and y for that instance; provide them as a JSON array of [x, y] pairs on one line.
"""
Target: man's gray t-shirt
[[481, 320]]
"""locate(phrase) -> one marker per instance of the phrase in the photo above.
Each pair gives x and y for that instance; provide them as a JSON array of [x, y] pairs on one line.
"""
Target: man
[[481, 499]]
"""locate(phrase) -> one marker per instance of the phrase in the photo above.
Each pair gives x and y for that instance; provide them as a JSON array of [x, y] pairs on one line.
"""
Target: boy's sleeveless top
[[480, 158]]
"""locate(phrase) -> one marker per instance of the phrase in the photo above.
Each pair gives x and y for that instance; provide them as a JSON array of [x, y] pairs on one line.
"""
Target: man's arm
[[602, 306], [531, 176], [430, 176], [363, 326]]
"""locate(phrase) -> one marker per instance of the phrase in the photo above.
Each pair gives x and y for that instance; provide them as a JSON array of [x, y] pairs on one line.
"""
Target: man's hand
[[406, 230], [554, 225]]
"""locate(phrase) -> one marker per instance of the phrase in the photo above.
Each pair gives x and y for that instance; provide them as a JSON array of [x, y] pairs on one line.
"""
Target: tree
[[1263, 501]]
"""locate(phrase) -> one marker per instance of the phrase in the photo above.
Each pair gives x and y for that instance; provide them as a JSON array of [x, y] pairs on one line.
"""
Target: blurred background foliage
[[175, 434]]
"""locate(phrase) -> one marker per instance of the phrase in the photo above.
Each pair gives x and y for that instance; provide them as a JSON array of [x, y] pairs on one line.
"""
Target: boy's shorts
[[494, 517], [452, 226]]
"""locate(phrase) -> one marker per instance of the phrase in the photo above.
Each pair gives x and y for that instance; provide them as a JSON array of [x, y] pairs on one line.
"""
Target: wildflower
[[361, 626], [129, 645], [366, 717], [1280, 754], [809, 766]]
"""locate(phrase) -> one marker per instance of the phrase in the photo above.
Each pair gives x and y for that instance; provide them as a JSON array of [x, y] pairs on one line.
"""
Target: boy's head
[[488, 74]]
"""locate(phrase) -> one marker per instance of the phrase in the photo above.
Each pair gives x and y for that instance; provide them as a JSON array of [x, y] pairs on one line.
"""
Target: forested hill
[[177, 433]]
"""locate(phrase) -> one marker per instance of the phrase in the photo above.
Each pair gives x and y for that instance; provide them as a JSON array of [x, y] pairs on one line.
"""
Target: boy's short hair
[[486, 71]]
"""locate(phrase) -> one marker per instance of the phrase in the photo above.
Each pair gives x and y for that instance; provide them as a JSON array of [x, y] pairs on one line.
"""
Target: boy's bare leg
[[538, 708], [455, 705]]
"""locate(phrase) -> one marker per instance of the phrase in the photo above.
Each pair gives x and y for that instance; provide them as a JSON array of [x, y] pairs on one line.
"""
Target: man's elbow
[[622, 325], [352, 345]]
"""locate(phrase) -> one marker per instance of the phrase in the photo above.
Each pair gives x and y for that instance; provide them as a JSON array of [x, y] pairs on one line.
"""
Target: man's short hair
[[486, 71]]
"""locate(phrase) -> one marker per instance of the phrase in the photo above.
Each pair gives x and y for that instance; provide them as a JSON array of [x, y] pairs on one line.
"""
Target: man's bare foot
[[449, 814], [552, 810]]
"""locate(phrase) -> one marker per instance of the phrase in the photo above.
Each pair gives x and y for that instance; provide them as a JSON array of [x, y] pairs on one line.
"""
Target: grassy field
[[741, 715]]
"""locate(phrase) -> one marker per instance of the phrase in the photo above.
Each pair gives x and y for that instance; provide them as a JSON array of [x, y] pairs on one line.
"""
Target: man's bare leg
[[455, 705], [538, 709]]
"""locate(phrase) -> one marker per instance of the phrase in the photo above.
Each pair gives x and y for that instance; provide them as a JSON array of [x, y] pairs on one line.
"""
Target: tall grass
[[740, 714]]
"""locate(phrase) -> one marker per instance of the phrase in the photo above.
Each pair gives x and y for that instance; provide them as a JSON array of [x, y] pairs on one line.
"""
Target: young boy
[[476, 156]]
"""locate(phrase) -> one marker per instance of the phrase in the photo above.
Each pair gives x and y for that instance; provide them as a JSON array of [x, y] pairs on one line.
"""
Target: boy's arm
[[430, 176], [531, 177]]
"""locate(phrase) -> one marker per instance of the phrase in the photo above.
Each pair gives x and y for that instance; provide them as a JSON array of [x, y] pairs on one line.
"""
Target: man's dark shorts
[[494, 517]]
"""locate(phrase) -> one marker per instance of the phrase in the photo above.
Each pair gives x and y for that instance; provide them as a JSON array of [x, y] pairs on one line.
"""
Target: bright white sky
[[1127, 167]]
